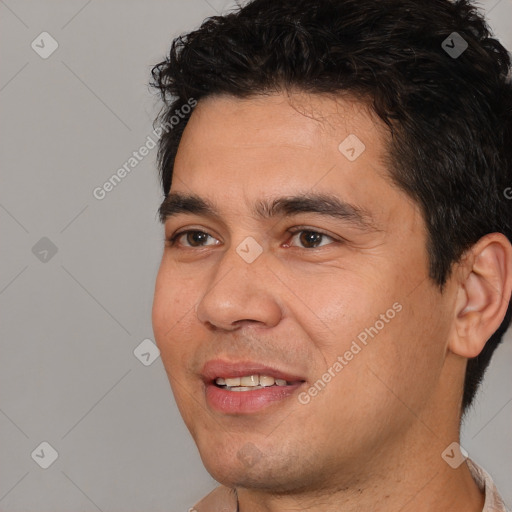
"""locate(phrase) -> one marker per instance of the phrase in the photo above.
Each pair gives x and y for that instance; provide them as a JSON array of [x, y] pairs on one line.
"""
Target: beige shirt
[[223, 499]]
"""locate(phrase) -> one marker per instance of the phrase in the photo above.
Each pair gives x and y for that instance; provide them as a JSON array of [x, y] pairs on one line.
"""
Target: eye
[[307, 238], [310, 239], [193, 238]]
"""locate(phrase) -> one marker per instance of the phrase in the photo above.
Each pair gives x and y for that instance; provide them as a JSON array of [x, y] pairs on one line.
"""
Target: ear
[[483, 294]]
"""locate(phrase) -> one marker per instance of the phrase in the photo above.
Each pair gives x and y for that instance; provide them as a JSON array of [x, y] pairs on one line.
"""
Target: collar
[[221, 499]]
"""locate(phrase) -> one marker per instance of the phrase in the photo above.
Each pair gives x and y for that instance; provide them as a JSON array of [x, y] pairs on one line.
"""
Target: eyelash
[[172, 241]]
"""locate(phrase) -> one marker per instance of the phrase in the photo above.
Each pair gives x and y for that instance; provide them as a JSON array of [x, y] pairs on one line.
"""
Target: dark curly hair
[[449, 116]]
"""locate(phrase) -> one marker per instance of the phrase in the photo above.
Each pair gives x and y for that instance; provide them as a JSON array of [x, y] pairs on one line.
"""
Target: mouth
[[251, 382], [246, 387]]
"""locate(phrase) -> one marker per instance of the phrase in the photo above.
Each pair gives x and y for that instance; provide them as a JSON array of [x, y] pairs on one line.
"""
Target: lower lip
[[242, 402]]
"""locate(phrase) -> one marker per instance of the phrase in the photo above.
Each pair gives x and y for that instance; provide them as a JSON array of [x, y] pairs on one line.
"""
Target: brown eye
[[311, 239], [196, 238], [192, 238]]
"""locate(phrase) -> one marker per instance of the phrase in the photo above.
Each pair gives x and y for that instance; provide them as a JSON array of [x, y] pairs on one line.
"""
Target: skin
[[372, 439]]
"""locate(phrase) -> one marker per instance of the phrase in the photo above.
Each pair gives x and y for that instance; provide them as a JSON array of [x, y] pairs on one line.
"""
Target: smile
[[245, 386], [250, 382]]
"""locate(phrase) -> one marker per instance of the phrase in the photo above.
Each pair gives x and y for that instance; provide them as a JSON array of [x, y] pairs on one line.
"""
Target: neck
[[415, 479]]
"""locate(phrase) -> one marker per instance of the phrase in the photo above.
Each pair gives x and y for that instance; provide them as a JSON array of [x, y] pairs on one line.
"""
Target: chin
[[243, 465]]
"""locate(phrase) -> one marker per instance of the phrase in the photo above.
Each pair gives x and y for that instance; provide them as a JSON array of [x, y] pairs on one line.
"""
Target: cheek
[[426, 331], [164, 300], [175, 294], [173, 309], [336, 304], [389, 335], [406, 359], [171, 317]]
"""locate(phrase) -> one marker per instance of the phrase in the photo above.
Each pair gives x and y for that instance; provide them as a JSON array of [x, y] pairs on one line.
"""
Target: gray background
[[70, 321]]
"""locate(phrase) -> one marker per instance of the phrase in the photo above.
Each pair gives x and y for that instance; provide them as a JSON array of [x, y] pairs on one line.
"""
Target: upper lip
[[228, 369]]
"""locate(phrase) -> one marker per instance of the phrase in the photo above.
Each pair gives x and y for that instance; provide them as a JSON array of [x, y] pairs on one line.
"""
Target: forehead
[[279, 141], [296, 119]]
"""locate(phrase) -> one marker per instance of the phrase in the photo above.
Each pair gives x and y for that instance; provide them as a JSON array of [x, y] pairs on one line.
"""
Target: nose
[[240, 293]]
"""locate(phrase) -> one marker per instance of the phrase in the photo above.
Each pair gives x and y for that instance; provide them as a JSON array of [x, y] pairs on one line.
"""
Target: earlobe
[[483, 295]]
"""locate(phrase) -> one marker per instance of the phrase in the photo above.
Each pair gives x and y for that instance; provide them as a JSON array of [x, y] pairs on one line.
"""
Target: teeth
[[249, 382], [235, 381], [265, 380]]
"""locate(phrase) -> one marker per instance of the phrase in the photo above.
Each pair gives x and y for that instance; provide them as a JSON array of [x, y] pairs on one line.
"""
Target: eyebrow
[[323, 204]]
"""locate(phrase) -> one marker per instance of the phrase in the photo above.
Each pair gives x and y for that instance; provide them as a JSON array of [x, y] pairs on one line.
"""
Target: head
[[400, 297]]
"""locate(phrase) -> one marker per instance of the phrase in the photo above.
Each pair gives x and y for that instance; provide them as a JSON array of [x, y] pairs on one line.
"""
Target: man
[[338, 265]]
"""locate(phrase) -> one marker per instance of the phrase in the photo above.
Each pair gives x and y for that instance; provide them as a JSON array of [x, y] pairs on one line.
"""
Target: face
[[300, 265]]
